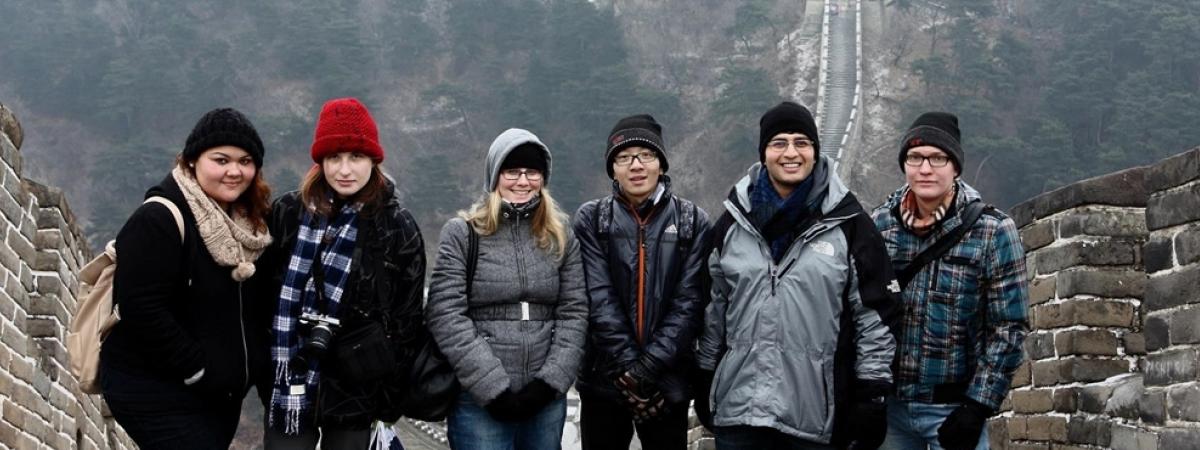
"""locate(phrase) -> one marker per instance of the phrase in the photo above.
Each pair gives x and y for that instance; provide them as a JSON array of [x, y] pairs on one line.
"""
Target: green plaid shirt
[[965, 314]]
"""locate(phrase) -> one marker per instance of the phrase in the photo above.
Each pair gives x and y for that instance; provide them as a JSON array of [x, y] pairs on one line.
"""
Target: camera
[[320, 330]]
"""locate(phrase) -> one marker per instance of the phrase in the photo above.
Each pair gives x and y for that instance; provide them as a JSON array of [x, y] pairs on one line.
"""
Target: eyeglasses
[[646, 157], [781, 145], [915, 160], [515, 174]]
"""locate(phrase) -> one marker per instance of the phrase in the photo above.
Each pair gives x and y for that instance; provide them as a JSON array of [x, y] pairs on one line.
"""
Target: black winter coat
[[672, 305], [386, 284], [180, 311]]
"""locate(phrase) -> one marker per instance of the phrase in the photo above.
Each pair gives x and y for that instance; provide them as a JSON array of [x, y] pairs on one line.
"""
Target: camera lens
[[318, 341]]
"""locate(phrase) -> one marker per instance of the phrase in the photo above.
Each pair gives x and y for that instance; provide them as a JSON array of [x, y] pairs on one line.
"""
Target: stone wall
[[43, 248], [1111, 359]]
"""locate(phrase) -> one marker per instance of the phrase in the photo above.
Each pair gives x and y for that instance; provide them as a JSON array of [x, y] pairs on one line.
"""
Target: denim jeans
[[914, 426], [470, 427], [760, 438]]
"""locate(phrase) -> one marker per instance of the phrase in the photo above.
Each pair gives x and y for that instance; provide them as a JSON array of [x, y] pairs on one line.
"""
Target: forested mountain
[[1047, 91]]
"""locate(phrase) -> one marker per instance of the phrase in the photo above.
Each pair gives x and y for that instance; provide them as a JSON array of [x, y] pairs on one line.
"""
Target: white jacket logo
[[822, 247], [671, 229]]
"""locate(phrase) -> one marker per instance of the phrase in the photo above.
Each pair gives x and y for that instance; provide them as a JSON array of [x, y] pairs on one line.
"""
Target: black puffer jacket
[[386, 284], [671, 309], [180, 311]]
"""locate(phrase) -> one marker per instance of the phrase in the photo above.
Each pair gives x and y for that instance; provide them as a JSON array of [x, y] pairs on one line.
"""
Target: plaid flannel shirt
[[965, 314]]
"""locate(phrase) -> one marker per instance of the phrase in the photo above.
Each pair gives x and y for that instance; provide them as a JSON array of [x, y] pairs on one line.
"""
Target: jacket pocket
[[944, 335], [812, 404]]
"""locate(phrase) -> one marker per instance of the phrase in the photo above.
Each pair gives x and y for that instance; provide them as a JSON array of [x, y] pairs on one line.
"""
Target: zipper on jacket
[[516, 233], [245, 348]]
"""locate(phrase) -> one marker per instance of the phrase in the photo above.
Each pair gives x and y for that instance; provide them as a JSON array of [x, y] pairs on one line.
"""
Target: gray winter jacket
[[790, 343], [483, 337]]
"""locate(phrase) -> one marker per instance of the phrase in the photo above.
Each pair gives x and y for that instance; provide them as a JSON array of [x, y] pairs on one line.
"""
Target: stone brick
[[1047, 428], [1152, 408], [1171, 367], [1093, 399], [1066, 400], [1187, 246], [1174, 207], [1091, 370], [1173, 171], [8, 307], [1081, 430], [1101, 283], [41, 328], [1179, 439], [1018, 428], [1183, 403], [49, 285], [1029, 446], [46, 260], [1125, 397], [1090, 312], [1085, 342], [1159, 252], [23, 247], [51, 218], [1039, 345], [1175, 289], [1156, 331], [1042, 289], [1037, 235], [1046, 373], [15, 340], [1185, 325], [1134, 343], [1124, 188], [1024, 374], [8, 433], [1103, 253], [49, 239], [1106, 222], [11, 208], [9, 258], [1032, 401], [997, 430], [1125, 437]]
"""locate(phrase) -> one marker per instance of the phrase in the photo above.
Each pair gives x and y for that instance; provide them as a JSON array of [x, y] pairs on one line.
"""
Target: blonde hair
[[549, 221]]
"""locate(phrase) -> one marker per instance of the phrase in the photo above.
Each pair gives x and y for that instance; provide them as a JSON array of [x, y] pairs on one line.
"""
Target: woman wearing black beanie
[[174, 370]]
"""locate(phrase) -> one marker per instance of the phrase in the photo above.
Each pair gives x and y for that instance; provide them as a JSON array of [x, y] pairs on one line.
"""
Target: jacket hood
[[502, 146], [826, 183]]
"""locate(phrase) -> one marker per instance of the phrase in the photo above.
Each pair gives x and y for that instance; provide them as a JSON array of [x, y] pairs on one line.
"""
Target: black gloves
[[701, 384], [516, 406], [506, 407], [961, 429], [535, 396], [868, 416]]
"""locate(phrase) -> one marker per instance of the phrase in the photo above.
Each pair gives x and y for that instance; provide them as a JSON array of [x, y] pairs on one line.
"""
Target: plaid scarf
[[290, 399], [776, 216]]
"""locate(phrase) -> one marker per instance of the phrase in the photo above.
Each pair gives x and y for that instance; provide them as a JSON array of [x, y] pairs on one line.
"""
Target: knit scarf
[[232, 241], [293, 394], [775, 216], [921, 226]]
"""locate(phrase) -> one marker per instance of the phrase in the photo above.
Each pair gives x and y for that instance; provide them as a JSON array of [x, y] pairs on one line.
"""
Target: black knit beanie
[[786, 117], [527, 156], [224, 126], [938, 129], [636, 130]]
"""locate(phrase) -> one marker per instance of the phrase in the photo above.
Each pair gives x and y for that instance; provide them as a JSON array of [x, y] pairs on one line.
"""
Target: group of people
[[795, 320]]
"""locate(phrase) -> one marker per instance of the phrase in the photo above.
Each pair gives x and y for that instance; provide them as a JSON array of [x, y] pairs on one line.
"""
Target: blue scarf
[[292, 393], [775, 216]]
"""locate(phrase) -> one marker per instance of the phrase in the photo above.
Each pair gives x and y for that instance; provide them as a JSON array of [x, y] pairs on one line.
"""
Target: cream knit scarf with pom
[[231, 241]]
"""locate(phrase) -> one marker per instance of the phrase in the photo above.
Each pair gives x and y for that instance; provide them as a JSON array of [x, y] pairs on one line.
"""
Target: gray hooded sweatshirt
[[490, 353]]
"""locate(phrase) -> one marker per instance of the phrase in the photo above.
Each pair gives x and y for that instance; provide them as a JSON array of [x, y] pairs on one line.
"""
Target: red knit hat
[[345, 125]]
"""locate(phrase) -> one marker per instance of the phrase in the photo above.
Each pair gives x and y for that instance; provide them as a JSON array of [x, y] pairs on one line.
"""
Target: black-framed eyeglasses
[[515, 174], [915, 160], [781, 145], [645, 157]]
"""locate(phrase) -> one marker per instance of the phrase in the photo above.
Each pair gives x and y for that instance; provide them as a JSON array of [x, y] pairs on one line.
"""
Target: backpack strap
[[719, 230], [604, 218], [174, 212], [687, 223], [472, 256], [971, 215]]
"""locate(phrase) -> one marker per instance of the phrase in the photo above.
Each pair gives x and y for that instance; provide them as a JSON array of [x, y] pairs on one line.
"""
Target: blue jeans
[[914, 426], [758, 438], [470, 427]]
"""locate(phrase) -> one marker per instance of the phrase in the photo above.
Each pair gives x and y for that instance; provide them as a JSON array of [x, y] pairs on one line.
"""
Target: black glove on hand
[[642, 397], [869, 414], [961, 429], [701, 384], [535, 396], [506, 407]]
